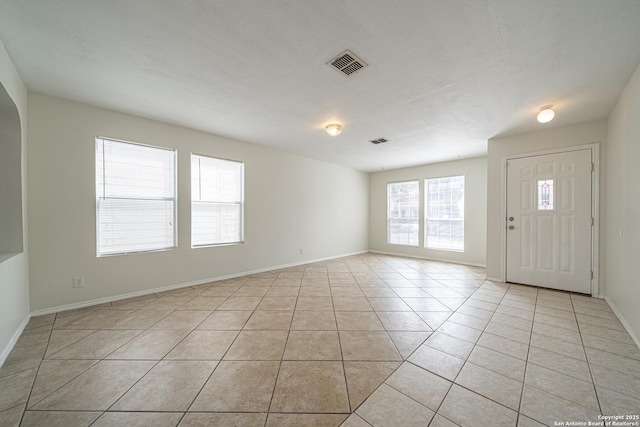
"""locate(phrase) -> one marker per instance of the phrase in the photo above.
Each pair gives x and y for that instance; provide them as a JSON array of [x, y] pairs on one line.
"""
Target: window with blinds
[[135, 196], [444, 200], [217, 201], [403, 210]]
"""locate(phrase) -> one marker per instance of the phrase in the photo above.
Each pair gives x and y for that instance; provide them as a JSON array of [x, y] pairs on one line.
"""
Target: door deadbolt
[[511, 227], [511, 218]]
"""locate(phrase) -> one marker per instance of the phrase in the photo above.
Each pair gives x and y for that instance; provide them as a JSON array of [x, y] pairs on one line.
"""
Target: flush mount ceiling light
[[546, 114], [333, 129]]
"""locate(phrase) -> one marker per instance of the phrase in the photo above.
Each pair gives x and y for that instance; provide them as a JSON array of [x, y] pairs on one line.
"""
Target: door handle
[[511, 218], [511, 227]]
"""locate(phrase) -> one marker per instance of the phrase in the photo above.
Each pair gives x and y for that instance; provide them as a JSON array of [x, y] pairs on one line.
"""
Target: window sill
[[444, 249], [5, 256], [106, 255], [216, 245]]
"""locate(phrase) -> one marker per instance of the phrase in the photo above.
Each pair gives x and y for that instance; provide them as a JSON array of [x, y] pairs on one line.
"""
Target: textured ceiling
[[443, 76]]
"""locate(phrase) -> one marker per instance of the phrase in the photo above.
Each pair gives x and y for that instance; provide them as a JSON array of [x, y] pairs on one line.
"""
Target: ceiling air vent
[[378, 141], [347, 63]]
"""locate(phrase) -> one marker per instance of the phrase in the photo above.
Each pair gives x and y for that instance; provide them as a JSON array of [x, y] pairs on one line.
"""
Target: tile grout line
[[284, 349], [204, 384], [162, 359], [586, 356], [157, 361], [466, 360], [407, 359], [583, 347], [26, 404], [154, 365], [436, 412], [391, 266], [344, 370], [526, 362]]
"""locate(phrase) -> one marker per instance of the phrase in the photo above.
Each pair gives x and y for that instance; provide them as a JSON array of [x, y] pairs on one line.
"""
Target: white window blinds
[[217, 202], [444, 199], [136, 197], [403, 210]]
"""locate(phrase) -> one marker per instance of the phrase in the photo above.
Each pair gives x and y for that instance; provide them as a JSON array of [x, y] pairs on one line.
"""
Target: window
[[217, 201], [136, 197], [545, 195], [444, 200], [403, 210]]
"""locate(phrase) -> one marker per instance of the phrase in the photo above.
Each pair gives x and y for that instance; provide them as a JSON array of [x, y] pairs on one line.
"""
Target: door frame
[[595, 208]]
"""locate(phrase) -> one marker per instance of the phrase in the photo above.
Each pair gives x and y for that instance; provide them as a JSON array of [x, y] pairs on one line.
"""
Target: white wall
[[291, 203], [475, 204], [560, 137], [622, 243], [14, 278]]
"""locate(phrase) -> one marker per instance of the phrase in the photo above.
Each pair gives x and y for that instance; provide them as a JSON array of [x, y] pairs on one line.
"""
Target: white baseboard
[[105, 300], [14, 339], [427, 258], [623, 321]]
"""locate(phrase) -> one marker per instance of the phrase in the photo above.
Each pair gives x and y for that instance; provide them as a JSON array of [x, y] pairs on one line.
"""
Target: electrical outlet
[[78, 282]]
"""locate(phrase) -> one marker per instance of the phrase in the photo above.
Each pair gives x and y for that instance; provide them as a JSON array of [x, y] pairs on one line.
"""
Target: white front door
[[549, 221]]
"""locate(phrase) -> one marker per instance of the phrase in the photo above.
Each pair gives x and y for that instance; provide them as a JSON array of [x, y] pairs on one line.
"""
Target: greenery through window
[[403, 210], [444, 217]]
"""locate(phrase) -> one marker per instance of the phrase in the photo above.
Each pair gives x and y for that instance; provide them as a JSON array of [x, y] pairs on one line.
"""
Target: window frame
[[427, 218], [99, 254], [550, 199], [241, 203], [389, 219]]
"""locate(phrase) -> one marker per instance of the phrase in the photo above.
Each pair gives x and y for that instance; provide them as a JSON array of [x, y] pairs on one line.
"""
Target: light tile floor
[[358, 341]]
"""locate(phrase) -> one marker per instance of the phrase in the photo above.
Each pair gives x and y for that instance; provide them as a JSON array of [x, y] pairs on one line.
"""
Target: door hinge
[[592, 221], [593, 167], [592, 275]]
